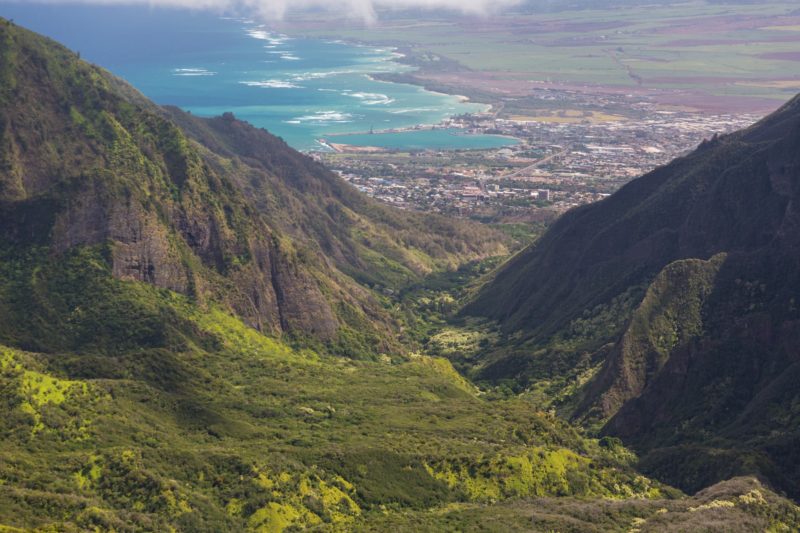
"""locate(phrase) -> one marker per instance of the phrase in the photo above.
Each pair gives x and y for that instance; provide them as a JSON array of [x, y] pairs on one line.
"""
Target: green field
[[710, 50]]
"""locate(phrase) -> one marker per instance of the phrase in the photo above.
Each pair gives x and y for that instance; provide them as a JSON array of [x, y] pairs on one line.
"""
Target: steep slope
[[87, 161], [669, 308], [375, 244], [669, 317], [211, 426], [741, 505], [191, 420]]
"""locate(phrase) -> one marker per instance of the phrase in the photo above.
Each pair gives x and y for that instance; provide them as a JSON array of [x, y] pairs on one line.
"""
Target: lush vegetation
[[148, 412], [214, 209], [202, 330], [739, 505], [146, 409], [136, 257]]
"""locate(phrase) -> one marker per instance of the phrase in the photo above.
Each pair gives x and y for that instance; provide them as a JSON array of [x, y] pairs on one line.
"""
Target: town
[[564, 158]]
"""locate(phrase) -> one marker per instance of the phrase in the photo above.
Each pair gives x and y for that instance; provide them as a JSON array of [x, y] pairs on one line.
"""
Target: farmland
[[696, 55]]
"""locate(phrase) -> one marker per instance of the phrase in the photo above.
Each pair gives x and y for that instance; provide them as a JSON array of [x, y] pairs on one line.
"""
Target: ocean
[[302, 90]]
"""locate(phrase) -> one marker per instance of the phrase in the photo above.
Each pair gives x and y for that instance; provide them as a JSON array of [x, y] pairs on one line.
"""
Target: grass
[[596, 46], [782, 28], [214, 426], [777, 84], [739, 505]]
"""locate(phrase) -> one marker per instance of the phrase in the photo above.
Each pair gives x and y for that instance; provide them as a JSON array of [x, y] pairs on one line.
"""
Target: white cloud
[[276, 9]]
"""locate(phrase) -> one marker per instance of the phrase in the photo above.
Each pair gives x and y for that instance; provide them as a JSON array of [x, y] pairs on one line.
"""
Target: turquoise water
[[299, 89], [438, 139]]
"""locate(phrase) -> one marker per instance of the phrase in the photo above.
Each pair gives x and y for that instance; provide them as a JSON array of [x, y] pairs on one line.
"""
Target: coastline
[[352, 149], [391, 77], [399, 67], [401, 59], [460, 98]]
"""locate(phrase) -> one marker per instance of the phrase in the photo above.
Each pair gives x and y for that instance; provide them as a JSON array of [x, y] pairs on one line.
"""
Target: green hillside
[[203, 424], [145, 411], [208, 425], [217, 210]]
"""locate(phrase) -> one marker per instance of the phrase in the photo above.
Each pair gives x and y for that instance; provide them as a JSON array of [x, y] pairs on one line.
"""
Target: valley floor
[[232, 430]]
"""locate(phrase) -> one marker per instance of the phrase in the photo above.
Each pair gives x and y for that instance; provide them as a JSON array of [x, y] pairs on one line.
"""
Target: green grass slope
[[148, 412], [740, 505]]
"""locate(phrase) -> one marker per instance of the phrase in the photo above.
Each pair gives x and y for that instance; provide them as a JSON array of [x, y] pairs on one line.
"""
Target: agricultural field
[[569, 116], [711, 57]]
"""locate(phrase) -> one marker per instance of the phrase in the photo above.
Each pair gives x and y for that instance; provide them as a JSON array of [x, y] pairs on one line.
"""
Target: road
[[540, 162]]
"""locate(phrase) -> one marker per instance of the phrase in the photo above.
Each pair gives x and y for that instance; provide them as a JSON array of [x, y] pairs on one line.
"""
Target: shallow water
[[299, 89]]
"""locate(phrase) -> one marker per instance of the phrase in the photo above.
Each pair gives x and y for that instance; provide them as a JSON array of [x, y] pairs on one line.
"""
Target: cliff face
[[115, 170], [680, 293], [369, 241], [667, 320], [727, 398], [214, 209]]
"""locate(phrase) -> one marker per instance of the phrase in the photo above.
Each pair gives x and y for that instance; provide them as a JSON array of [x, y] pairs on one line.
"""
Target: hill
[[666, 313], [216, 209]]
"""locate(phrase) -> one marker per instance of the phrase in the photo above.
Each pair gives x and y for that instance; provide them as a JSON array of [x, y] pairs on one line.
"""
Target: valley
[[591, 329]]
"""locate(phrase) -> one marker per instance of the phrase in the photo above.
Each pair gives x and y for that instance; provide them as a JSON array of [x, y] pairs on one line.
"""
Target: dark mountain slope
[[697, 206], [670, 308], [85, 160]]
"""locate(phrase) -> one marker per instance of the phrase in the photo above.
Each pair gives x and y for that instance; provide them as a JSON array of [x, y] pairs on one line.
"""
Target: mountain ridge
[[666, 310], [87, 160]]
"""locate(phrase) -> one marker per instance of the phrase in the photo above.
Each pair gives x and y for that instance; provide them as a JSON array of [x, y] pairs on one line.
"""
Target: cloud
[[276, 9]]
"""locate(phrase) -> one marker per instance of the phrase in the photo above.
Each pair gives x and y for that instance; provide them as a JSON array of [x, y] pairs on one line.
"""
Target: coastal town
[[562, 158]]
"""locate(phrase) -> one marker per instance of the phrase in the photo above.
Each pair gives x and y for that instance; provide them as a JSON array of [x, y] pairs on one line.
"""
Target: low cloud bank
[[276, 9]]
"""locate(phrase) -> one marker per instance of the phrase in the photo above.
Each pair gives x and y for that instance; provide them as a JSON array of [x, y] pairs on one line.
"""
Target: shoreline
[[394, 55], [419, 128], [460, 98], [402, 64]]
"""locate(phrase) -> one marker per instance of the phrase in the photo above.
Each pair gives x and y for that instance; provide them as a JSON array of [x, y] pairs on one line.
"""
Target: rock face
[[667, 320], [214, 209], [683, 288], [122, 173]]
